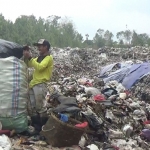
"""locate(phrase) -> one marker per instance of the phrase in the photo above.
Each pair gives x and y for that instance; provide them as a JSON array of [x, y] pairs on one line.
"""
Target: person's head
[[43, 46]]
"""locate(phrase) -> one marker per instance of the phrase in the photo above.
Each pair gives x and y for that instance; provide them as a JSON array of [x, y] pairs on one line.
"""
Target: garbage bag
[[94, 121], [14, 94], [109, 91], [5, 143], [8, 49], [18, 123], [92, 147]]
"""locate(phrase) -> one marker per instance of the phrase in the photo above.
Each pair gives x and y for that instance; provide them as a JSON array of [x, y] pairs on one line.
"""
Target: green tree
[[139, 39], [128, 36], [5, 28], [25, 27], [120, 36], [108, 38], [124, 37], [99, 40], [61, 32]]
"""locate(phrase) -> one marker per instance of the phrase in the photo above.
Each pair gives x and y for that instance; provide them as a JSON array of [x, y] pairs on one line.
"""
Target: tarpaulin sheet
[[107, 68], [135, 73], [8, 49]]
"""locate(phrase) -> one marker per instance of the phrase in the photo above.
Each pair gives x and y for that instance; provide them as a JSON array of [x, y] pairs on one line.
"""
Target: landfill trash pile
[[111, 116], [76, 61], [141, 89], [117, 119], [88, 100], [79, 61], [137, 52]]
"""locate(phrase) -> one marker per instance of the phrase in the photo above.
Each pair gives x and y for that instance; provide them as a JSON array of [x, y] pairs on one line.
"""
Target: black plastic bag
[[93, 121], [8, 49], [109, 91]]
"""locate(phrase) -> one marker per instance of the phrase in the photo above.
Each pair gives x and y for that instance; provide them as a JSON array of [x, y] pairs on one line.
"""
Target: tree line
[[61, 32]]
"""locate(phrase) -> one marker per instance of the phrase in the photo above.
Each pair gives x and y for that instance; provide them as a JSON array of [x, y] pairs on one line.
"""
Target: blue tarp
[[128, 75], [124, 64], [107, 68], [136, 72], [117, 75]]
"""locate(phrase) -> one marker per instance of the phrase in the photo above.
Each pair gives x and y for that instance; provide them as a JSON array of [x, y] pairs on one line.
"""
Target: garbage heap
[[89, 61], [93, 113], [141, 89], [85, 112], [110, 116]]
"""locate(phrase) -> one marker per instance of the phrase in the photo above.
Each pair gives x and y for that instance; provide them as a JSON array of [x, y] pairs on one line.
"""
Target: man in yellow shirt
[[43, 66]]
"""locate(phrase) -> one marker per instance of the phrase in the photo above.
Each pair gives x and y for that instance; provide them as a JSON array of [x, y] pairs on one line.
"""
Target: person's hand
[[27, 54]]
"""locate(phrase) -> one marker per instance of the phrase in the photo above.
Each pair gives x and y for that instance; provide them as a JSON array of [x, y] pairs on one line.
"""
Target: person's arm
[[27, 55], [27, 62], [42, 65]]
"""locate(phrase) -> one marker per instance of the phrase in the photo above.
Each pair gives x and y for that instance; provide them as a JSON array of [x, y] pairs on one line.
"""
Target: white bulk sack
[[13, 93]]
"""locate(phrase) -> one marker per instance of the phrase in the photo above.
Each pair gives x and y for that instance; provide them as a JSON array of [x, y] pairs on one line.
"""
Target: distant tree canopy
[[61, 33]]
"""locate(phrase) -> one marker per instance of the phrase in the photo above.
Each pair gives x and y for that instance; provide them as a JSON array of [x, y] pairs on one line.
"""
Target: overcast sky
[[87, 15]]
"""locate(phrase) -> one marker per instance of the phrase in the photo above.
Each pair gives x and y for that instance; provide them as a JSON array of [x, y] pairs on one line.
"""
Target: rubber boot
[[36, 123], [43, 118]]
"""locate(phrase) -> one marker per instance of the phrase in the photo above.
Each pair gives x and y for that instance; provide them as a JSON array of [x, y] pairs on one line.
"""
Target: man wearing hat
[[43, 66]]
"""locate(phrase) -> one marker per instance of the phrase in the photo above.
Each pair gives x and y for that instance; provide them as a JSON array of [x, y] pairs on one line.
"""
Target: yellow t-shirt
[[43, 70]]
